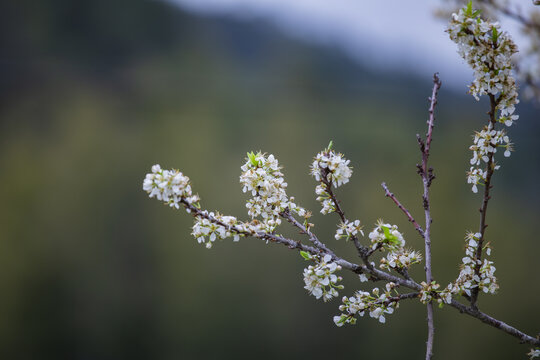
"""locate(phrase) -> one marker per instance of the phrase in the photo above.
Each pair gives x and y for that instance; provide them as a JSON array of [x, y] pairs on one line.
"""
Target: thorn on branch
[[431, 177], [436, 79], [421, 142]]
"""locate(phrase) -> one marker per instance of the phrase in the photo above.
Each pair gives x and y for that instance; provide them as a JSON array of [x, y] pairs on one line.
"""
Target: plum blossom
[[428, 292], [332, 166], [261, 176], [486, 142], [376, 304], [488, 51], [468, 279], [320, 279], [400, 259], [330, 169], [349, 229], [169, 186], [207, 229], [387, 237]]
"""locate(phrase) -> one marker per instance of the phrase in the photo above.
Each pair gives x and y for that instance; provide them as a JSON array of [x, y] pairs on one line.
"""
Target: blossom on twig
[[261, 176], [387, 237], [320, 279], [468, 279], [376, 304], [330, 169], [169, 186]]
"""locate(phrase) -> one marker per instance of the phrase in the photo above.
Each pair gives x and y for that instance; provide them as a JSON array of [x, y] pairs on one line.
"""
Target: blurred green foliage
[[95, 92]]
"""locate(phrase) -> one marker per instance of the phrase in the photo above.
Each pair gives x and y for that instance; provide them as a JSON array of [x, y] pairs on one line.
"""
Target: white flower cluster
[[262, 177], [219, 227], [401, 259], [376, 304], [169, 186], [320, 278], [468, 279], [332, 166], [486, 142], [329, 169], [488, 51], [428, 292], [325, 199], [444, 296], [348, 229], [387, 237]]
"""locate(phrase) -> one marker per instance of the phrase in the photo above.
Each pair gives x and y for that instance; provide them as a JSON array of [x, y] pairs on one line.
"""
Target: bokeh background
[[95, 92]]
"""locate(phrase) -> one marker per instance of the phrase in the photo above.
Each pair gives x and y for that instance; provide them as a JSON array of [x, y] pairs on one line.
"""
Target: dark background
[[95, 92]]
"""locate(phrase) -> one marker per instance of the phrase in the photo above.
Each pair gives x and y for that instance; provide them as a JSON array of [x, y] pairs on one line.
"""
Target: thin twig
[[498, 324], [402, 208], [400, 297], [485, 201], [427, 176], [303, 229], [362, 251]]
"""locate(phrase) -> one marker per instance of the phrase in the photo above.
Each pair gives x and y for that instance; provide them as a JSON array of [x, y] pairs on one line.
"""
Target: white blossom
[[320, 279], [476, 176], [400, 259], [468, 279], [329, 169], [325, 199], [333, 166], [216, 226], [375, 304], [488, 51], [262, 178], [169, 186], [349, 229], [387, 237], [428, 291], [486, 142]]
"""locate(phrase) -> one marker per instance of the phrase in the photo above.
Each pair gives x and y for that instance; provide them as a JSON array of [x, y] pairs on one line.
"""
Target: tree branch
[[402, 208], [485, 201], [498, 324], [304, 230], [427, 177]]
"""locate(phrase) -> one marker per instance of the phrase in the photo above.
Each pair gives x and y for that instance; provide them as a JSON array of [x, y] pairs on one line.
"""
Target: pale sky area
[[381, 34]]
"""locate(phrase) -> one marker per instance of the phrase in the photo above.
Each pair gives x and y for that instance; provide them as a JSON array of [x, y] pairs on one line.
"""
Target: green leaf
[[495, 34], [305, 255], [252, 158], [329, 147], [386, 231], [387, 234], [468, 9]]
